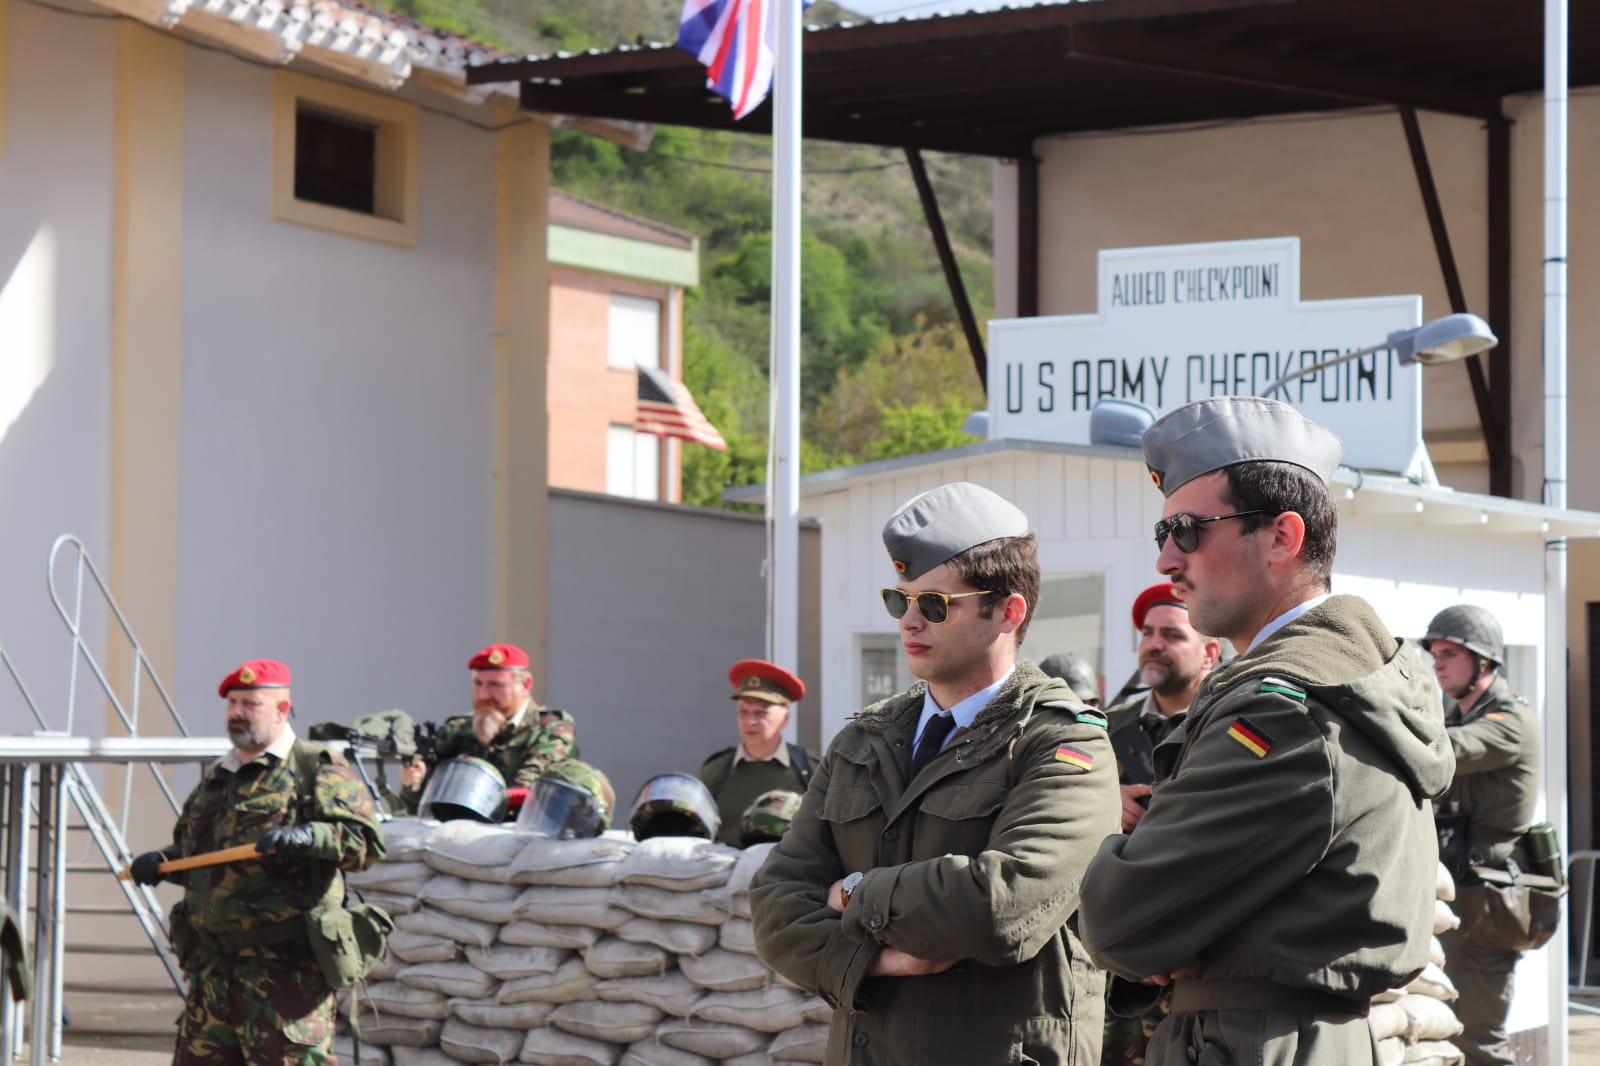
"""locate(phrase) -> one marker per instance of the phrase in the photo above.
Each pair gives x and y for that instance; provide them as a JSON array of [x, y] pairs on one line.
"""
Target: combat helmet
[[571, 799], [1474, 628], [768, 817], [674, 805], [1078, 675]]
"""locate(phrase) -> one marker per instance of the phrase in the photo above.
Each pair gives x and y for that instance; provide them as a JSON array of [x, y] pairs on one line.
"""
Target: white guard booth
[[1197, 321]]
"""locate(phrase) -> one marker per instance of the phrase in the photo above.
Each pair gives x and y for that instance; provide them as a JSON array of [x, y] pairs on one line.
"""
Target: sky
[[919, 8]]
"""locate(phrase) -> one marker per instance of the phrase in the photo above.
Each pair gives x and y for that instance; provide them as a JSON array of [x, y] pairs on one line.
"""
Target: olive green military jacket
[[545, 735], [1496, 745], [236, 906], [977, 859], [1290, 837], [735, 789]]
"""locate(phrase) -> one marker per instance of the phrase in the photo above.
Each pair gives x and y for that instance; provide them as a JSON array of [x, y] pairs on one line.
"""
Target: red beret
[[257, 673], [765, 681], [499, 657], [1154, 596]]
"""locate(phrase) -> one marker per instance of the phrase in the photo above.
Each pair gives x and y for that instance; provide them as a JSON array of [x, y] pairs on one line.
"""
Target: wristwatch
[[847, 886]]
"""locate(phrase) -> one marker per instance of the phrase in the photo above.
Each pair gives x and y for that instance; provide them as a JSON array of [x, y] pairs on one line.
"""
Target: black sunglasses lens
[[1163, 530], [1185, 533], [895, 602], [934, 607]]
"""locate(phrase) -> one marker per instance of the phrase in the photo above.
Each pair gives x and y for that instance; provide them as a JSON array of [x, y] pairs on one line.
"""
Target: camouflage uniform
[[256, 993], [521, 752]]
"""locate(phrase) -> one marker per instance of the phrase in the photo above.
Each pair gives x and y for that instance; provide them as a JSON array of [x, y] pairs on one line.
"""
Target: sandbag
[[393, 997], [594, 863], [1388, 1019], [1430, 1019], [652, 1052], [755, 1058], [615, 1023], [572, 981], [487, 901], [767, 1010], [1391, 1052], [738, 934], [405, 839], [1388, 995], [474, 850], [429, 922], [711, 1039], [537, 934], [508, 961], [1433, 982], [412, 947], [385, 969], [680, 938], [1444, 919], [1444, 885], [398, 878], [387, 1029], [553, 1047], [663, 904], [451, 978], [721, 970], [474, 1043], [816, 1008], [393, 903], [420, 1056], [371, 1054], [678, 864], [612, 957], [523, 1016], [743, 872], [671, 992], [595, 907], [1433, 1053], [805, 1043], [1436, 952]]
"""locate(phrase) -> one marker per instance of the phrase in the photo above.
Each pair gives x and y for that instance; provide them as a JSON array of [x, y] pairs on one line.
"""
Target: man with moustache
[[507, 727], [1284, 871], [256, 991], [925, 887], [1173, 660], [763, 761]]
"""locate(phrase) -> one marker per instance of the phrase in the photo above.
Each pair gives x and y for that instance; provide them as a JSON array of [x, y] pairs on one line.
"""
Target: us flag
[[736, 41], [667, 410]]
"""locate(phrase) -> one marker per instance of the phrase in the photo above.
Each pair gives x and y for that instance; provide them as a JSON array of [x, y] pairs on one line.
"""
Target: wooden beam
[[1027, 236], [952, 269], [1500, 306]]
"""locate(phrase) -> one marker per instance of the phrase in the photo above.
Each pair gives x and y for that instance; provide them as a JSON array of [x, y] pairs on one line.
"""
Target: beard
[[1155, 674], [247, 737], [487, 722]]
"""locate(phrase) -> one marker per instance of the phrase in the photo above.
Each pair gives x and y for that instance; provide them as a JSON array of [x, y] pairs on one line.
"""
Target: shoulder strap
[[727, 772], [801, 763], [306, 759]]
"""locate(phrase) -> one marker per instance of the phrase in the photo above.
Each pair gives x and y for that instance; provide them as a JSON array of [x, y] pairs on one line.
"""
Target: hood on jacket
[[1350, 662]]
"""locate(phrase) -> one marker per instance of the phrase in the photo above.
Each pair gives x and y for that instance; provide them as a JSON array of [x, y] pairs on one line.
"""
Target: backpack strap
[[306, 758], [801, 763]]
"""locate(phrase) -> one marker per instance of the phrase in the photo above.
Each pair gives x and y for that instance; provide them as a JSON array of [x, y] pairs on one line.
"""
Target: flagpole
[[783, 602]]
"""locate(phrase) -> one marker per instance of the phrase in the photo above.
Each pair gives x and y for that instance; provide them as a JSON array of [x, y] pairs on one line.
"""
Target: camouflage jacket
[[521, 752], [229, 808]]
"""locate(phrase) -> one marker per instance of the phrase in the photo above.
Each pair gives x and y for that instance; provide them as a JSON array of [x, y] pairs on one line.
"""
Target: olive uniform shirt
[[735, 782]]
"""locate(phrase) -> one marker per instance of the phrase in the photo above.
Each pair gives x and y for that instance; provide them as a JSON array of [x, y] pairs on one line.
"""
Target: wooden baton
[[205, 858]]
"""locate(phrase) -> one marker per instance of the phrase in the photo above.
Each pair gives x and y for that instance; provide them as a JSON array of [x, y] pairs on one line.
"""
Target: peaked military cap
[[1208, 435], [940, 524], [765, 681], [257, 673]]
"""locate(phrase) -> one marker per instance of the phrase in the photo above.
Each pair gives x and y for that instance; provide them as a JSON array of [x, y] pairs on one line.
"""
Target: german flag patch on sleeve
[[1254, 739], [1075, 757]]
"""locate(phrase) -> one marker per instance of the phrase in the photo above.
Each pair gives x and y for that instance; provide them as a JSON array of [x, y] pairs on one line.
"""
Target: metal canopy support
[[1452, 281], [952, 270]]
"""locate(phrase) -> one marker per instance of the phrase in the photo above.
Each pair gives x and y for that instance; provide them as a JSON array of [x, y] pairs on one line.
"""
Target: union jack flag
[[736, 41]]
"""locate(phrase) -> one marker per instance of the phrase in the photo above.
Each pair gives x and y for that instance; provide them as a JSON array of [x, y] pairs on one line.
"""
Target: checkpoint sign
[[1183, 322]]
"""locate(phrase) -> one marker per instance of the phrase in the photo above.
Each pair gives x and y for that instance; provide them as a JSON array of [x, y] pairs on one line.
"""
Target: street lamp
[[1444, 340]]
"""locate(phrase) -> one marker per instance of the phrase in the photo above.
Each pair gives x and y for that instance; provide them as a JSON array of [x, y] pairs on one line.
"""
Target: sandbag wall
[[606, 952], [1414, 1024]]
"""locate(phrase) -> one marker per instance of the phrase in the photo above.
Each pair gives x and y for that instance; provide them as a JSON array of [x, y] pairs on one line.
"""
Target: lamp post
[[1444, 340]]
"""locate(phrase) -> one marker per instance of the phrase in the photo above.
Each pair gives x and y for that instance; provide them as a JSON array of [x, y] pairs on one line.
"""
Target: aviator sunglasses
[[935, 606], [1184, 528]]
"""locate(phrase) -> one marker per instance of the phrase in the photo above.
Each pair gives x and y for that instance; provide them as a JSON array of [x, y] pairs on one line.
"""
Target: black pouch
[[1452, 829]]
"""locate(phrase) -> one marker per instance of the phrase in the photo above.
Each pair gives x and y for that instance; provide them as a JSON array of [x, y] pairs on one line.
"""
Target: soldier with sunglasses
[[1284, 871], [926, 885]]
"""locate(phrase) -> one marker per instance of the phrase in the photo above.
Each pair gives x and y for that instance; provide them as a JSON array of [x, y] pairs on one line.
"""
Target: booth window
[[345, 160], [633, 463]]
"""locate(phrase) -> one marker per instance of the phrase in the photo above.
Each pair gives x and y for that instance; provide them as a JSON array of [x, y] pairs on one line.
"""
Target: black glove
[[144, 868], [285, 843]]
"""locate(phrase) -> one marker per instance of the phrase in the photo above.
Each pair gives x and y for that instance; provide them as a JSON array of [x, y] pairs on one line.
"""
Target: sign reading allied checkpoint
[[1183, 322]]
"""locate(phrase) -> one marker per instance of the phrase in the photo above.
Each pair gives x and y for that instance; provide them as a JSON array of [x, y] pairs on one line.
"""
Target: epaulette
[[1091, 716], [719, 753], [1281, 687]]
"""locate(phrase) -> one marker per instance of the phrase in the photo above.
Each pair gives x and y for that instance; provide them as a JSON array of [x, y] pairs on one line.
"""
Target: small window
[[335, 161], [633, 332], [633, 463]]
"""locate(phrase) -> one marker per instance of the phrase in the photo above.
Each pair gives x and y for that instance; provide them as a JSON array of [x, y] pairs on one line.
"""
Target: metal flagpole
[[783, 600], [1555, 477]]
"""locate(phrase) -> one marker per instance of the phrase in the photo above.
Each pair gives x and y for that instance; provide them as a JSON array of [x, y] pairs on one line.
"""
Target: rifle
[[388, 735]]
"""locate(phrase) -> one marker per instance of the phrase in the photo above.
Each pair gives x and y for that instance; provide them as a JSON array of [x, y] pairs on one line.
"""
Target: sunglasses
[[1184, 529], [935, 606]]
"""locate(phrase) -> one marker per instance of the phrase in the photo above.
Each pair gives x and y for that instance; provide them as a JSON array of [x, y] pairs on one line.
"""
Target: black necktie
[[931, 741]]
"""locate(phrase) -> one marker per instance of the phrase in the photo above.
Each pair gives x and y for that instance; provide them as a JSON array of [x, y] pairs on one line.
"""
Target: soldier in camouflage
[[508, 728], [768, 818], [256, 992]]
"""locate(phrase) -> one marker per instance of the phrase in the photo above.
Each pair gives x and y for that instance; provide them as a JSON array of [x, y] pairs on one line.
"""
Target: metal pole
[[17, 834], [1555, 475], [44, 953], [58, 909], [783, 601]]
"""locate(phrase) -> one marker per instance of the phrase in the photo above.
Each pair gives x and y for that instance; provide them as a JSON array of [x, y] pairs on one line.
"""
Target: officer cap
[[1220, 431], [499, 657], [940, 524], [1155, 596], [765, 681], [257, 673]]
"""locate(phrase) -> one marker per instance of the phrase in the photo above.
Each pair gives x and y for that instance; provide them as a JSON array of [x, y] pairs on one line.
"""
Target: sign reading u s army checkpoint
[[1182, 322]]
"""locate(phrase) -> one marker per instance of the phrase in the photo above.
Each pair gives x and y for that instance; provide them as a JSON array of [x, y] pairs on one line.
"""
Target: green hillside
[[884, 369]]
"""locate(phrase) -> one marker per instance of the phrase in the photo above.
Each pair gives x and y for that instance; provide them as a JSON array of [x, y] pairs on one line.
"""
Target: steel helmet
[[1474, 628], [464, 788], [571, 799], [768, 817], [1078, 675], [674, 805]]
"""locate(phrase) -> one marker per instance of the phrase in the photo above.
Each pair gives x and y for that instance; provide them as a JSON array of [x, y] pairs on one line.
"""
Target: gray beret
[[1207, 435], [940, 524]]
